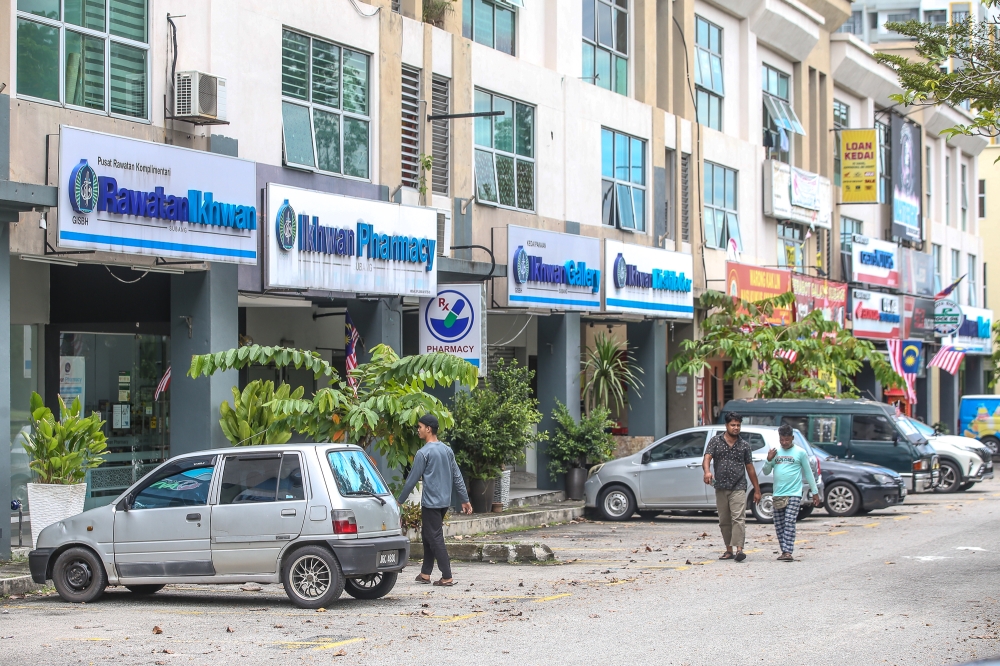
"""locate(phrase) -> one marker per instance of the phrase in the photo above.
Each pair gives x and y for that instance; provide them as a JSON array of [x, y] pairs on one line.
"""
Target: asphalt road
[[912, 585]]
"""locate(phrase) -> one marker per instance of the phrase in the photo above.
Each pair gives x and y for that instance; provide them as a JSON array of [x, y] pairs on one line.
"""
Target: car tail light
[[344, 522]]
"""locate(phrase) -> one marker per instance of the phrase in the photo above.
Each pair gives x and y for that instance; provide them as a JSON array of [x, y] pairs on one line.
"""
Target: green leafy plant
[[575, 444], [376, 406], [608, 371], [62, 450], [495, 422], [426, 164], [411, 516], [251, 420], [827, 357], [435, 10]]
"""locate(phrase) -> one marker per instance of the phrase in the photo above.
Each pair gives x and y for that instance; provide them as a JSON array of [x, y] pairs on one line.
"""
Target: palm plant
[[608, 371]]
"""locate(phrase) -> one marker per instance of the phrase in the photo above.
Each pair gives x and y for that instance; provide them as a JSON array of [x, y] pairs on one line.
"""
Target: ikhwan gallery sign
[[552, 270], [138, 197], [331, 242], [647, 280]]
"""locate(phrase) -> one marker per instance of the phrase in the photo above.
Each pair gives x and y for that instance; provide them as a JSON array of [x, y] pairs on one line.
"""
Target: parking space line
[[327, 646], [554, 597], [461, 617], [837, 532], [871, 525], [901, 518]]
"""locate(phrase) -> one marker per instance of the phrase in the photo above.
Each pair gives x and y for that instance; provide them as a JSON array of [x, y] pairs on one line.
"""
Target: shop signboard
[[812, 293], [973, 335], [859, 171], [948, 317], [127, 196], [917, 275], [797, 195], [552, 270], [906, 172], [454, 322], [875, 315], [330, 242], [647, 280], [754, 283], [874, 262], [918, 318]]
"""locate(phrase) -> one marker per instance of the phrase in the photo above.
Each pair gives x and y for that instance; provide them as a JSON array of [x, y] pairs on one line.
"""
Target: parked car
[[965, 461], [979, 417], [317, 518], [857, 487], [862, 430], [668, 475]]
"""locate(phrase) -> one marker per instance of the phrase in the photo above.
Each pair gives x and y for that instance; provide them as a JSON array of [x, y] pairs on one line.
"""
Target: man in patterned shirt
[[733, 464]]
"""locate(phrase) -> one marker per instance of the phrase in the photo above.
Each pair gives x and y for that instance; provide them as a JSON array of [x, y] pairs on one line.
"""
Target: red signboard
[[753, 283], [812, 293]]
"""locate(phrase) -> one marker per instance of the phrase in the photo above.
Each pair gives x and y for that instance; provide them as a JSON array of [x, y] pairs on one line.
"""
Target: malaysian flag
[[896, 361], [163, 385], [948, 359], [351, 341], [944, 293], [788, 354]]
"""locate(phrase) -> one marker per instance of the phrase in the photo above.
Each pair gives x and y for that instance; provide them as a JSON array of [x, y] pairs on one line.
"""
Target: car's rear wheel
[[951, 477], [616, 503], [144, 589], [992, 443], [375, 586], [763, 511], [965, 486], [842, 500], [312, 577], [79, 575]]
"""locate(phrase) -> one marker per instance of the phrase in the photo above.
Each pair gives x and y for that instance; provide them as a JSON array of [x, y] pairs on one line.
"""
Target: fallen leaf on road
[[157, 630], [425, 605], [687, 562], [165, 651], [320, 610], [517, 614], [78, 627], [890, 562], [756, 613], [341, 653], [250, 587], [425, 612], [279, 626], [594, 615], [521, 584], [160, 663], [230, 630], [649, 550]]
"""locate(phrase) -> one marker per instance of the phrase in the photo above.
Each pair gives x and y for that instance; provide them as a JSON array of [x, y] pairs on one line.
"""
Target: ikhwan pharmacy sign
[[648, 280], [331, 242], [553, 270], [137, 197]]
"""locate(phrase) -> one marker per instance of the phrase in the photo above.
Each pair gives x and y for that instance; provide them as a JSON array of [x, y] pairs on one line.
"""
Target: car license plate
[[388, 558]]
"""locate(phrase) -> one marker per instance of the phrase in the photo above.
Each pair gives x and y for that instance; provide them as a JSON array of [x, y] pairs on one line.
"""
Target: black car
[[856, 487]]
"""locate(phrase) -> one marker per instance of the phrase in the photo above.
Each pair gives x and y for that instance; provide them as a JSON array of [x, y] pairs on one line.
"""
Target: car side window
[[290, 479], [755, 440], [759, 419], [800, 423], [687, 445], [250, 479], [823, 429], [872, 428], [182, 483]]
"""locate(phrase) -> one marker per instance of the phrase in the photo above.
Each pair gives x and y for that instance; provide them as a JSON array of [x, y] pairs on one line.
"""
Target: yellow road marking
[[926, 512], [798, 541], [461, 617], [555, 596], [327, 646], [901, 518], [316, 645], [871, 525], [837, 532]]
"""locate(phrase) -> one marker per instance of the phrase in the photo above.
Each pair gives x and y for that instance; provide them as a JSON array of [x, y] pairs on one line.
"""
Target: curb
[[18, 585], [498, 522], [494, 552]]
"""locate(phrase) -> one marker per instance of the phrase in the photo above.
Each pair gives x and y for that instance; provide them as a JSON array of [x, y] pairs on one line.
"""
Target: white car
[[965, 461]]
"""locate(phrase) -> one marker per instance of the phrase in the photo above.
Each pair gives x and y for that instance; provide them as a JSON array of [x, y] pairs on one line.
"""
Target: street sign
[[948, 317]]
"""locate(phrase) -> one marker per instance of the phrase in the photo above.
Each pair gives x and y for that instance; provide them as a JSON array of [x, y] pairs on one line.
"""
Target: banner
[[973, 334], [454, 322], [753, 283], [859, 172], [875, 315], [553, 270], [917, 275], [138, 197], [812, 293], [918, 318], [72, 380], [797, 195], [647, 280], [906, 190], [874, 261]]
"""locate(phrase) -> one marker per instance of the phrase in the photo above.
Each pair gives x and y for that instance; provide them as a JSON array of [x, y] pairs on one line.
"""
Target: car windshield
[[922, 428], [355, 473], [913, 435]]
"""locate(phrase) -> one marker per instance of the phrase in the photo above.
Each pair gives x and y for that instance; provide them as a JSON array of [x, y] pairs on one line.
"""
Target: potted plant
[[573, 445], [494, 424], [61, 451], [608, 372]]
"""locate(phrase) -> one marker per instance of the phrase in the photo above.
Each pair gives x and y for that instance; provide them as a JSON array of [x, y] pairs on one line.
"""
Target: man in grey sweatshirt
[[435, 463]]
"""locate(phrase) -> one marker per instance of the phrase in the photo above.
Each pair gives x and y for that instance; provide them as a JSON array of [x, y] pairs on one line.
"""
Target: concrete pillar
[[558, 379], [209, 299], [647, 341], [949, 400], [682, 399], [923, 408], [379, 322], [5, 489]]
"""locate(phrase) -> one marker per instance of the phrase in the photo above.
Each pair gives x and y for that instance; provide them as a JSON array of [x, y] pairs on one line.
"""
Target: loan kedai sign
[[647, 280], [137, 197], [454, 322], [330, 242]]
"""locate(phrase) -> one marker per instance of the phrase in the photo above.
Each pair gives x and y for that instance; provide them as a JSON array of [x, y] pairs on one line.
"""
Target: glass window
[[848, 228], [981, 200], [104, 67], [290, 485], [800, 423], [972, 289], [326, 106], [755, 440], [687, 445], [355, 473], [708, 73], [779, 118], [791, 244], [823, 429], [884, 163], [505, 156], [759, 419], [872, 428], [841, 120], [605, 44], [722, 221], [250, 479], [490, 23], [181, 483], [853, 25], [938, 279], [623, 190], [956, 264]]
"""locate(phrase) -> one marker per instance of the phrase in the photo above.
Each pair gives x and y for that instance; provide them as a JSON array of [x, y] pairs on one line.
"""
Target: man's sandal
[[726, 556], [442, 583], [423, 581]]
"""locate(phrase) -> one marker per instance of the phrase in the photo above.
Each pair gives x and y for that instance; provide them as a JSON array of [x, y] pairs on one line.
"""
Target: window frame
[[612, 50], [841, 120], [971, 295], [617, 182], [709, 92], [847, 238], [107, 38], [339, 111], [791, 235], [981, 199], [726, 212], [493, 150], [964, 200], [936, 254], [510, 6], [779, 112]]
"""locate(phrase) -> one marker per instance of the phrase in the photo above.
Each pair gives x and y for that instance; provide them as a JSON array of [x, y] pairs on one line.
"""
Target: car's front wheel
[[951, 477], [312, 577], [842, 500], [79, 575], [616, 503], [375, 586], [763, 511]]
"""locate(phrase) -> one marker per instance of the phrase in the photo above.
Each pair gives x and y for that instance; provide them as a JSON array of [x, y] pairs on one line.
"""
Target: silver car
[[316, 517], [668, 475]]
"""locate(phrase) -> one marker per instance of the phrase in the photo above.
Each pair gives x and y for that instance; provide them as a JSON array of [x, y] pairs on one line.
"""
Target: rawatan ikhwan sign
[[330, 242], [137, 197], [647, 280]]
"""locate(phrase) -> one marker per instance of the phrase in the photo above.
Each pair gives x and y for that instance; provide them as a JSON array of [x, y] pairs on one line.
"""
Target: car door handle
[[288, 512], [194, 516], [692, 465]]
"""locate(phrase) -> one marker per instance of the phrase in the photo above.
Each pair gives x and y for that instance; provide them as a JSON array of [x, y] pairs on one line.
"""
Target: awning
[[22, 197]]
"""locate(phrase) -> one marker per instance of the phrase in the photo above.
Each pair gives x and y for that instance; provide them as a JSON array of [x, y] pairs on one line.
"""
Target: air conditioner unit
[[199, 97]]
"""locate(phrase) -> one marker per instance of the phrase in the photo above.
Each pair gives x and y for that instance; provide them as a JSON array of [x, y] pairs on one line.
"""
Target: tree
[[376, 406], [929, 79], [825, 355], [608, 370], [251, 420]]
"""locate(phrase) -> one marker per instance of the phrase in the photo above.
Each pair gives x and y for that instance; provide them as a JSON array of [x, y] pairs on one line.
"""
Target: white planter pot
[[51, 503]]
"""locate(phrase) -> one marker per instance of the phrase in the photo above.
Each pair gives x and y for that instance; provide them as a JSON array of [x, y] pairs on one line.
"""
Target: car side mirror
[[646, 457], [126, 503], [895, 440]]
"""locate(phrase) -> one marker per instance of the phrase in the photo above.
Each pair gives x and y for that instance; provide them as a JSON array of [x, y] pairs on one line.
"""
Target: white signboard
[[797, 195], [875, 315], [454, 322], [647, 280], [974, 333], [552, 270], [329, 242], [72, 379], [137, 197], [874, 261]]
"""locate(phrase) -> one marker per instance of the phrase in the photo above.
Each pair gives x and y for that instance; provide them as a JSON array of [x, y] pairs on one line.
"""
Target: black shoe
[[740, 556]]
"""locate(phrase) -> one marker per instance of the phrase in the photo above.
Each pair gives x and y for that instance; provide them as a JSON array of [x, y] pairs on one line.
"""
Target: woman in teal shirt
[[790, 465]]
